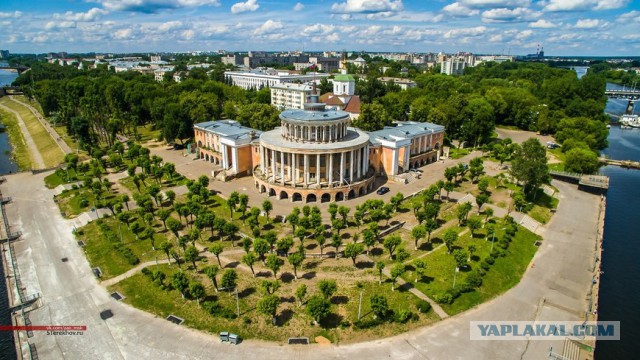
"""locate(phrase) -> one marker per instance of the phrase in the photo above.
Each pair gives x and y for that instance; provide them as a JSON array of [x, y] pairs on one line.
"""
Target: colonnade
[[315, 133], [329, 169], [422, 144]]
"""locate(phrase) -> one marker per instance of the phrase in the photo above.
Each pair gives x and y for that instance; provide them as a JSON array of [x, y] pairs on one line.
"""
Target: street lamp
[[494, 237]]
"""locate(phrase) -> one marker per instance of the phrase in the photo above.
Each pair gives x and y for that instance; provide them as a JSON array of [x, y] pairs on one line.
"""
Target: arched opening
[[325, 197], [352, 194], [312, 198], [263, 189], [206, 157], [437, 147], [297, 197], [272, 192], [339, 196], [199, 143], [363, 191], [283, 195]]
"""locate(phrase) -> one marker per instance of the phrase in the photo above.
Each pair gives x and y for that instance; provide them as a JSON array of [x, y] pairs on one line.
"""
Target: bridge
[[627, 164], [20, 68], [623, 94]]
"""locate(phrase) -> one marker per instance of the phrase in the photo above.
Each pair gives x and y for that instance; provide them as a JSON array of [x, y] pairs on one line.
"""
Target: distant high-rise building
[[4, 54]]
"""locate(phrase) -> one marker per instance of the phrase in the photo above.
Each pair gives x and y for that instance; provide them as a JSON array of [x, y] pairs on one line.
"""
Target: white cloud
[[631, 15], [483, 4], [123, 34], [571, 5], [333, 38], [268, 27], [496, 38], [524, 34], [542, 24], [298, 7], [52, 25], [249, 5], [15, 14], [169, 25], [91, 15], [458, 10], [465, 32], [188, 34], [590, 23], [318, 29], [152, 6], [367, 6], [509, 15]]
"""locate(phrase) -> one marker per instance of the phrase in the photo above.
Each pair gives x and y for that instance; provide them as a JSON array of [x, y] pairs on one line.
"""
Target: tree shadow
[[475, 258], [364, 264], [210, 298], [339, 299], [265, 274], [267, 226], [403, 210], [284, 317], [436, 240], [287, 277], [345, 236], [309, 275], [376, 251], [246, 292], [232, 265], [426, 246], [333, 320], [310, 264]]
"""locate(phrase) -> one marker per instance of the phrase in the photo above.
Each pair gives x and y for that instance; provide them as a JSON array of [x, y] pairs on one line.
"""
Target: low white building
[[258, 78], [453, 67], [289, 96], [403, 83]]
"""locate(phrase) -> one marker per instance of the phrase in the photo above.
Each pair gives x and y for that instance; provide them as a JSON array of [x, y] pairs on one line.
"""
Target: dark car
[[178, 146], [383, 190]]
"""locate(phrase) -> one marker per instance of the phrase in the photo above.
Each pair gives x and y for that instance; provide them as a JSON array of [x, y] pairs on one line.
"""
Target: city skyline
[[562, 27]]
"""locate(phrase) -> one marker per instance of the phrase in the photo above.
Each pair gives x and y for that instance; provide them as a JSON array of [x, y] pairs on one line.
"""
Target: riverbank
[[17, 143]]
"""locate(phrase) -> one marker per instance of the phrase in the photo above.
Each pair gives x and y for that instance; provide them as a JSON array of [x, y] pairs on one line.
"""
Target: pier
[[627, 164], [598, 184], [623, 94]]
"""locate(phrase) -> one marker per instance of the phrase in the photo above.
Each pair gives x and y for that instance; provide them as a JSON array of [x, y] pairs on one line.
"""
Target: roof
[[306, 115], [344, 77], [228, 128], [353, 106], [404, 130], [292, 86], [331, 99], [360, 59]]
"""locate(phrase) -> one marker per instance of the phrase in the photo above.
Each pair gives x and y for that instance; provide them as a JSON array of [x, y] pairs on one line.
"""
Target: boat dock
[[622, 163], [592, 183]]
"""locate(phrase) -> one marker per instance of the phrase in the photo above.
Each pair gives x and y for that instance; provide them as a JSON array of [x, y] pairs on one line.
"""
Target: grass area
[[292, 319], [504, 274], [100, 249], [19, 150], [165, 183], [51, 153], [76, 201], [455, 153], [61, 176], [146, 133], [542, 207]]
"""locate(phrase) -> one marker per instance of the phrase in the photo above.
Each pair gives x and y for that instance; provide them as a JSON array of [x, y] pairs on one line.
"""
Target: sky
[[562, 27]]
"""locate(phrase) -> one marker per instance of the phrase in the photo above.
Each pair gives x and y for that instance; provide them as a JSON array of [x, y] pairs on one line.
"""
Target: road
[[558, 282], [36, 157]]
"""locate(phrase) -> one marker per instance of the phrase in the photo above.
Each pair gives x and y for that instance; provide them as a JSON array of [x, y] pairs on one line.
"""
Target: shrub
[[498, 253], [465, 288], [367, 323], [481, 271], [444, 298], [474, 279], [74, 187], [490, 260], [145, 271], [84, 203], [503, 244], [485, 265], [403, 316], [344, 324], [455, 292], [423, 306], [215, 309]]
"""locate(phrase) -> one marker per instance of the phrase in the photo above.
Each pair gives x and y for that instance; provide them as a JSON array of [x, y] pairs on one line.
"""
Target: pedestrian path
[[54, 134], [36, 157]]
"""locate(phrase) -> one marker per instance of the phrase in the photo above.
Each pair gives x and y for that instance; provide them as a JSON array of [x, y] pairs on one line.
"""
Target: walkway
[[36, 157], [50, 129], [71, 295]]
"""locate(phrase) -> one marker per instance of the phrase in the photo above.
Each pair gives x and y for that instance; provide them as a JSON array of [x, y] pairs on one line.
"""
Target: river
[[7, 344], [619, 285]]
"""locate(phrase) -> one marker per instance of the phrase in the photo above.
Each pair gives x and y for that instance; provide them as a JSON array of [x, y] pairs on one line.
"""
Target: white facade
[[289, 96], [403, 83], [344, 85], [258, 79], [452, 67]]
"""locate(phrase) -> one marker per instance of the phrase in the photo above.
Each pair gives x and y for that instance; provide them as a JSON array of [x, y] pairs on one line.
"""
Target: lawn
[[75, 202], [503, 275], [19, 149], [542, 206], [292, 319], [101, 253], [455, 153], [146, 133], [59, 177], [51, 153]]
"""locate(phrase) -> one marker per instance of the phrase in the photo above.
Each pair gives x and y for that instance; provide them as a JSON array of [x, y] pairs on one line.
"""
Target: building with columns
[[227, 145], [314, 156]]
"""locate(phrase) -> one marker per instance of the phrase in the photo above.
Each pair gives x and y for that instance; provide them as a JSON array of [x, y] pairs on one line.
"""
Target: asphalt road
[[555, 288]]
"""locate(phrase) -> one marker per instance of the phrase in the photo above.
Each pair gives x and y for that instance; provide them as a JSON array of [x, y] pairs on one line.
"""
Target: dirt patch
[[322, 340]]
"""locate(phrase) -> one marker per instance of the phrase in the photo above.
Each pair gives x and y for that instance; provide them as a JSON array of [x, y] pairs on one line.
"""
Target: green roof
[[344, 77]]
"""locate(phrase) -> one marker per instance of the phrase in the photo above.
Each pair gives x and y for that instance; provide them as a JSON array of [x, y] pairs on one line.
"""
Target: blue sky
[[563, 27]]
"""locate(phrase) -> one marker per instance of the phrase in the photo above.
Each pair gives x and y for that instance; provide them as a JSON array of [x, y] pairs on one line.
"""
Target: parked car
[[418, 171], [383, 190]]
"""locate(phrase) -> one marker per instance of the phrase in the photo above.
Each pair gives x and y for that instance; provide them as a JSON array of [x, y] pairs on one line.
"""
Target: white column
[[282, 167], [234, 159], [289, 158], [295, 170], [365, 162], [341, 168], [359, 163], [406, 158], [273, 164], [306, 170], [262, 166], [225, 157], [330, 169], [394, 162], [318, 169], [351, 153]]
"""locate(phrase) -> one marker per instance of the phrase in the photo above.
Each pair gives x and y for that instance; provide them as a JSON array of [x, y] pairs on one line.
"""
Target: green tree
[[267, 206], [336, 242], [474, 224], [372, 117], [420, 265], [191, 255], [268, 305], [396, 271], [216, 249], [318, 308], [261, 247], [460, 256], [229, 279], [301, 292], [529, 165], [380, 267], [212, 272], [274, 263], [165, 247], [418, 232], [391, 243], [250, 259], [481, 199], [232, 202], [180, 283], [582, 161], [296, 260], [196, 289], [450, 236], [352, 250], [327, 288], [379, 306], [430, 226]]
